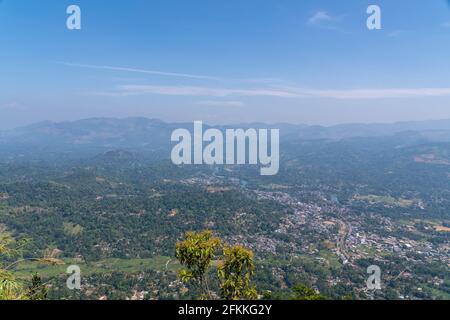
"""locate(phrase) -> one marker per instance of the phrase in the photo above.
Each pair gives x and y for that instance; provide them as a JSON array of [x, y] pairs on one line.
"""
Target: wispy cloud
[[138, 70], [167, 74], [325, 20], [267, 87], [13, 105], [320, 17], [396, 33], [215, 103], [279, 92], [126, 90], [445, 24], [382, 93]]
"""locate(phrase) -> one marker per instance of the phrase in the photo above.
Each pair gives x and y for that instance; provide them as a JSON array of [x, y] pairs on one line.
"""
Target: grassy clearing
[[274, 186], [72, 229], [158, 263], [437, 293], [331, 258], [388, 200]]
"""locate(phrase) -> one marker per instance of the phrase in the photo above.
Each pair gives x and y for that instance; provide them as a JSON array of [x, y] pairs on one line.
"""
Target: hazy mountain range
[[155, 134]]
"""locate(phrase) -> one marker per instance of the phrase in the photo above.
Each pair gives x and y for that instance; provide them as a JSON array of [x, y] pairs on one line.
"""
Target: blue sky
[[228, 61]]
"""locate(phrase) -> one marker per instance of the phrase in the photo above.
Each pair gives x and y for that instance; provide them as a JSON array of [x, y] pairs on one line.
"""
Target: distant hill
[[438, 130], [131, 132], [151, 134]]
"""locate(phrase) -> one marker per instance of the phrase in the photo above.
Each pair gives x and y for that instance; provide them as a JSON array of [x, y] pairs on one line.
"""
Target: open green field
[[331, 259], [158, 263], [374, 199]]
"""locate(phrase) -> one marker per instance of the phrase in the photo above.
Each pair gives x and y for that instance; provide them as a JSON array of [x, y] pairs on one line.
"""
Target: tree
[[196, 253], [302, 292], [10, 287], [235, 272], [37, 290]]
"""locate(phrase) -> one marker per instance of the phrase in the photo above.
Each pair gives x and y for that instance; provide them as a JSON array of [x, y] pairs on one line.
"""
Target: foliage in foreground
[[197, 252], [12, 288], [234, 271]]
